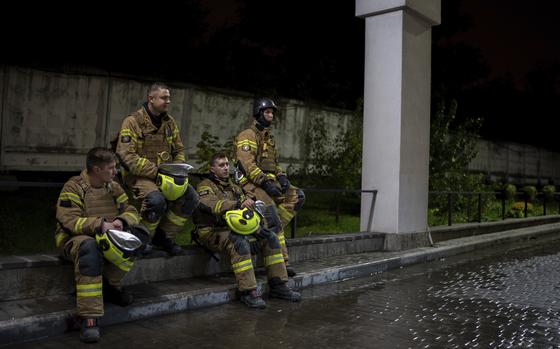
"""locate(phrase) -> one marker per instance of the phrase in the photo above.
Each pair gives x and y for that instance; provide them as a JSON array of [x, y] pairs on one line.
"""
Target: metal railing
[[451, 197], [23, 184], [499, 195], [337, 207]]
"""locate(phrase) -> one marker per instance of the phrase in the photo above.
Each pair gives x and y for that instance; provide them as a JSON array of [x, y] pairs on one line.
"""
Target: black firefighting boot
[[116, 296], [279, 289], [291, 272], [145, 250], [89, 331], [252, 299], [164, 242]]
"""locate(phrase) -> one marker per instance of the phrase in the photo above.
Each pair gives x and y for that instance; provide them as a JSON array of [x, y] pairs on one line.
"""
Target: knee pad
[[155, 206], [270, 237], [272, 218], [241, 244], [90, 260], [191, 201], [300, 200]]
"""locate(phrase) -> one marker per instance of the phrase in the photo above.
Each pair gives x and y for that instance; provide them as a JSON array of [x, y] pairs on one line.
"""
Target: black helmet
[[261, 104]]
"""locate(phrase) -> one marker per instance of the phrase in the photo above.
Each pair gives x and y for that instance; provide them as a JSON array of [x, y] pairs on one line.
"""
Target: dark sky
[[484, 51], [513, 36]]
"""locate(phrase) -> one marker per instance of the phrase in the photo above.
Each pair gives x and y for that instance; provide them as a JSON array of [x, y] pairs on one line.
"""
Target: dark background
[[499, 58]]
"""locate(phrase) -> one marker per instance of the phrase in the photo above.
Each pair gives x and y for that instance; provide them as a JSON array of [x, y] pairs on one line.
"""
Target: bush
[[208, 146], [509, 191], [517, 209], [530, 193], [549, 191]]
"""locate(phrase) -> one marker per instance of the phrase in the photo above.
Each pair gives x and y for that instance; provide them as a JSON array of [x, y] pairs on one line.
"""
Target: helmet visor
[[124, 240], [175, 170]]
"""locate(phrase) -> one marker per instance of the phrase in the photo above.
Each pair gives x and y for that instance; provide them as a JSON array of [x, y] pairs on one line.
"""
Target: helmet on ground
[[173, 179], [118, 247], [244, 221], [262, 104]]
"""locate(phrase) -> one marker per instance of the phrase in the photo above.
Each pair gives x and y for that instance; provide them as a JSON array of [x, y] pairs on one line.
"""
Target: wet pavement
[[489, 299]]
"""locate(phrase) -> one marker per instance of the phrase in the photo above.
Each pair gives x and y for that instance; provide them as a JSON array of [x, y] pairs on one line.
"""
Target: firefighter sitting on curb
[[148, 138], [225, 218], [90, 207], [256, 155]]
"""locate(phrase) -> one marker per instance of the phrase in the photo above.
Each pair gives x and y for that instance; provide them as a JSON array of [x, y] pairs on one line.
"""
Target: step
[[48, 275], [52, 315]]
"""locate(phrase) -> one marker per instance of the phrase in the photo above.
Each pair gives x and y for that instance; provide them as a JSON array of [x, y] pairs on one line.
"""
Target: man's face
[[220, 168], [159, 100], [268, 114], [106, 172]]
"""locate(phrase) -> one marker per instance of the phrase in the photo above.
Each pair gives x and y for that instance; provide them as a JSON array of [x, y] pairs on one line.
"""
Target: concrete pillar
[[397, 112]]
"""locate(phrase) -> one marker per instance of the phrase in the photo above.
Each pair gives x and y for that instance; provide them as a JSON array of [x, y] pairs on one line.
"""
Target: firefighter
[[88, 207], [225, 222], [148, 138], [257, 158]]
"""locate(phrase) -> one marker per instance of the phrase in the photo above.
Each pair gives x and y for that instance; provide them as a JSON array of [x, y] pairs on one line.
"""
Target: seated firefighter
[[91, 213], [149, 138], [257, 157], [225, 221]]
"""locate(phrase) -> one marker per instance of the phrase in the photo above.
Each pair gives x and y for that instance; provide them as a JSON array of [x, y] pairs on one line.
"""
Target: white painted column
[[397, 112]]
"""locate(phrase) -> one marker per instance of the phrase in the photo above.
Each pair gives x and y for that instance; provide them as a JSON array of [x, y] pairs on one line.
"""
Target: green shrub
[[517, 209], [509, 191], [530, 192], [549, 191], [208, 146]]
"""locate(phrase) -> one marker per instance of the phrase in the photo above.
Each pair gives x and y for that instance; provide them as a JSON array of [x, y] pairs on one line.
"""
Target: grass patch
[[317, 221]]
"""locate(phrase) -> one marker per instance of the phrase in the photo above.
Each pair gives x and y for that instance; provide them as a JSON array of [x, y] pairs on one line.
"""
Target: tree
[[208, 146], [335, 163], [451, 153]]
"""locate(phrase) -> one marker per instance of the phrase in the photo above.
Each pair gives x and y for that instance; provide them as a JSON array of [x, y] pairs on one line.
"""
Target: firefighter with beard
[[147, 139]]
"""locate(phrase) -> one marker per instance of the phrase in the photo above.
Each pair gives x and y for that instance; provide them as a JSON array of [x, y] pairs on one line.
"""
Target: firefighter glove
[[271, 188], [284, 183]]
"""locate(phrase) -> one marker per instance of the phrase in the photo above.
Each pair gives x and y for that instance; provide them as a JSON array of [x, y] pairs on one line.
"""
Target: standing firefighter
[[149, 138], [226, 221], [92, 211], [257, 158]]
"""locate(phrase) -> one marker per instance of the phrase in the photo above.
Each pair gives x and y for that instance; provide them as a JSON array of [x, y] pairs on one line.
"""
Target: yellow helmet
[[173, 179], [118, 247], [244, 221]]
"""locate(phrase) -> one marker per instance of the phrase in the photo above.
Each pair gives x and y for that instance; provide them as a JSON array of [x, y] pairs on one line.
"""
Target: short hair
[[156, 86], [217, 156], [99, 156]]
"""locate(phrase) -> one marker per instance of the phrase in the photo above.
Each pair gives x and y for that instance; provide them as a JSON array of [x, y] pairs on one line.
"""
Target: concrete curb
[[421, 255], [37, 326]]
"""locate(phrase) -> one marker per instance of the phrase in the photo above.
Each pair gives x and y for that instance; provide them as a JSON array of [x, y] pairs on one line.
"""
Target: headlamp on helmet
[[244, 221]]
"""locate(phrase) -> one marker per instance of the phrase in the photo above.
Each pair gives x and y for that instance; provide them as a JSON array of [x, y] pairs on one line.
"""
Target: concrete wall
[[520, 162], [49, 120]]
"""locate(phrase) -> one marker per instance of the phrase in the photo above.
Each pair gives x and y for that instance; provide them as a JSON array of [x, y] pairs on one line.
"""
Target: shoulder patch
[[246, 147], [125, 139], [204, 192]]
